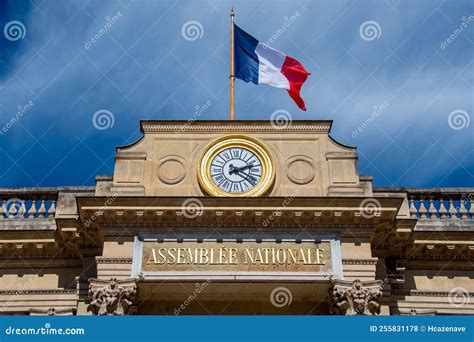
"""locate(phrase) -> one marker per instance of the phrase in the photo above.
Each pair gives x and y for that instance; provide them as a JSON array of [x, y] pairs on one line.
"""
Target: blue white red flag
[[258, 63]]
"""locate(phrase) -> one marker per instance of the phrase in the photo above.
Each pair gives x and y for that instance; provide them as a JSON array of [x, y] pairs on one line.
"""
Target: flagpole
[[232, 76]]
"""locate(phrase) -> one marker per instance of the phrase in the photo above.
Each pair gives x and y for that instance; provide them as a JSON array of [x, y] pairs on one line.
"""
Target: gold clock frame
[[231, 141]]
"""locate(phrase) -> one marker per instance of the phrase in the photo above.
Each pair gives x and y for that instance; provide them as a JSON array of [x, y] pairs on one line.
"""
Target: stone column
[[355, 298], [113, 297]]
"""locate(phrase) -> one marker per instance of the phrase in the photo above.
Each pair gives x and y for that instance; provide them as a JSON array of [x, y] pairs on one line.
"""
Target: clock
[[238, 166]]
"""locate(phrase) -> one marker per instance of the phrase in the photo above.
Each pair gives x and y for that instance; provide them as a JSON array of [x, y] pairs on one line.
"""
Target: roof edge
[[180, 126]]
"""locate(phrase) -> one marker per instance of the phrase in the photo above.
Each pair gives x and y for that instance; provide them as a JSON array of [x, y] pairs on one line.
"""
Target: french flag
[[258, 63]]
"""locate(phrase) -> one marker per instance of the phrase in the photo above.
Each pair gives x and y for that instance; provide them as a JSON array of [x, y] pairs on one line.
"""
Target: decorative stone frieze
[[112, 297], [355, 298], [425, 293], [151, 126], [38, 292], [102, 260], [368, 261]]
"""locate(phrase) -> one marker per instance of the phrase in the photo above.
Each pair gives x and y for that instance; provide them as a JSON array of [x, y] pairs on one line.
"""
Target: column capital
[[113, 297], [355, 297]]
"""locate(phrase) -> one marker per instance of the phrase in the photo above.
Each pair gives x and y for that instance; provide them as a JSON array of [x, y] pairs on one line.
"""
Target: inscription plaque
[[239, 257], [317, 257]]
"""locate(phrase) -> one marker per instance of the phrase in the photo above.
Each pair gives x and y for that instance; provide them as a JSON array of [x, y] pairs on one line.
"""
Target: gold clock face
[[237, 166]]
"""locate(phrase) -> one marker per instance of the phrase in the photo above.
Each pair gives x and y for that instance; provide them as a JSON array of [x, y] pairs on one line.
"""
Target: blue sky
[[143, 67]]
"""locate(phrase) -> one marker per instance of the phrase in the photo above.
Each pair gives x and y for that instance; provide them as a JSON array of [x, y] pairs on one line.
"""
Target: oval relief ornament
[[171, 169], [300, 169]]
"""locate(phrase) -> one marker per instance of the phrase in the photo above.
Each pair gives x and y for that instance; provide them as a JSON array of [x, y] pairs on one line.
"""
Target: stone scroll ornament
[[355, 298], [112, 297]]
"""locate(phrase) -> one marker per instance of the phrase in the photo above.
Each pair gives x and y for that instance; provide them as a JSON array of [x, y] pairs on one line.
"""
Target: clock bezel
[[236, 141]]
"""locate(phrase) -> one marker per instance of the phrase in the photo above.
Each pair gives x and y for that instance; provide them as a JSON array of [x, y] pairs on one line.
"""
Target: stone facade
[[387, 250]]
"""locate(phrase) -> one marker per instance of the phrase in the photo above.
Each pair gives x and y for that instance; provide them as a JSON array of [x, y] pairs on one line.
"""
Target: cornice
[[437, 264], [38, 292], [227, 225], [237, 126], [424, 293], [425, 191], [102, 260], [46, 190], [129, 214], [43, 224], [424, 257], [14, 261], [333, 203], [371, 261], [437, 267], [344, 230]]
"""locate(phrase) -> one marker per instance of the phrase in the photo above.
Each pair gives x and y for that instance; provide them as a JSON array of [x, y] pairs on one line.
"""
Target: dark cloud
[[130, 58]]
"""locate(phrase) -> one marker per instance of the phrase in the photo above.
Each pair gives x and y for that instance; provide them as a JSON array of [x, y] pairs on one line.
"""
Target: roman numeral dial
[[236, 166], [236, 170]]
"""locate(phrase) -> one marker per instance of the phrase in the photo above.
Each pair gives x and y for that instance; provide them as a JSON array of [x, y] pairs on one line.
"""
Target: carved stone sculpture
[[112, 297], [355, 298]]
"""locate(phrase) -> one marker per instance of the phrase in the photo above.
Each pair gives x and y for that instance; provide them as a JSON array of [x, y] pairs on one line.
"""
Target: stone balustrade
[[441, 205], [429, 203], [39, 203], [28, 203], [437, 203]]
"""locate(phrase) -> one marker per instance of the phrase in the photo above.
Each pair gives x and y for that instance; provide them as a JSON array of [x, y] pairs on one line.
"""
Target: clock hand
[[245, 167], [250, 178], [237, 169]]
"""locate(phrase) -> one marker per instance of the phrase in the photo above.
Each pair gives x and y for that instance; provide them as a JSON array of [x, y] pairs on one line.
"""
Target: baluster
[[422, 210], [412, 207], [432, 209], [443, 211], [471, 208], [22, 209], [452, 209], [2, 210], [52, 208], [32, 210], [41, 209], [13, 209], [462, 208]]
